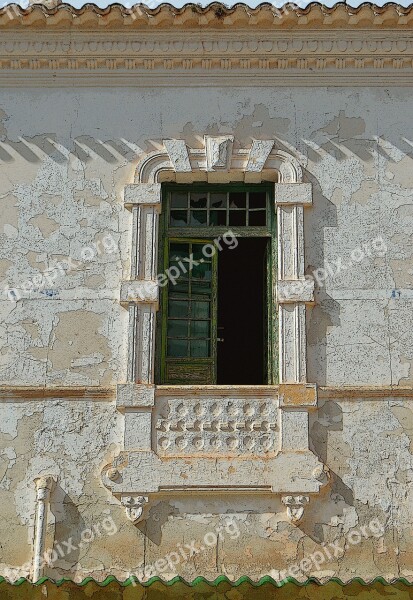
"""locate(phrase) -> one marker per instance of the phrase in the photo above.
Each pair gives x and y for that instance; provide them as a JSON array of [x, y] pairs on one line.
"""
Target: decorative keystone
[[295, 507], [218, 152], [134, 506]]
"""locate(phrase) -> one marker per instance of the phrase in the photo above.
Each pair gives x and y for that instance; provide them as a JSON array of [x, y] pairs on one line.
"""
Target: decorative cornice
[[207, 50], [230, 57], [215, 45], [213, 16]]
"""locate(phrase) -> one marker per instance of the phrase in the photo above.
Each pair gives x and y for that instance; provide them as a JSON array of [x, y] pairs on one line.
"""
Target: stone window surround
[[138, 397]]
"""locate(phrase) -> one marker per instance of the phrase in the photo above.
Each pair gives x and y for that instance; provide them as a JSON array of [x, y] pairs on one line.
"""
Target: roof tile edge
[[55, 15]]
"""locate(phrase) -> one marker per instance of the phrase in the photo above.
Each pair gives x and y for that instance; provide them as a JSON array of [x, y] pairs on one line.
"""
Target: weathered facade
[[111, 466]]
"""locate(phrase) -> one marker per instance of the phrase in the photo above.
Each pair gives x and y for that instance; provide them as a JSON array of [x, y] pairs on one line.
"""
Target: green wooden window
[[218, 208], [189, 312], [194, 219]]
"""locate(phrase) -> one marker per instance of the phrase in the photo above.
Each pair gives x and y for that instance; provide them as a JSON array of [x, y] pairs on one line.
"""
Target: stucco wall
[[66, 157]]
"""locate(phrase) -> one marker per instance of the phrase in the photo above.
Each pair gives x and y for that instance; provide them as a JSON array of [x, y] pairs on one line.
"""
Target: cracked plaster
[[61, 184]]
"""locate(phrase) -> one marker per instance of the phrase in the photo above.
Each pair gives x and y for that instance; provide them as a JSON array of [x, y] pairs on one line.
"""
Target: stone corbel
[[134, 507], [295, 507]]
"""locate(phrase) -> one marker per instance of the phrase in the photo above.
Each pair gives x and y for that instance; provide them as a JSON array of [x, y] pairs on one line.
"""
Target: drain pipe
[[43, 488]]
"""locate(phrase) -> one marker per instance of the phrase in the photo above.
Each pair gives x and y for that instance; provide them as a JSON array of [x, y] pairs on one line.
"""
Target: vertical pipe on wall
[[43, 488]]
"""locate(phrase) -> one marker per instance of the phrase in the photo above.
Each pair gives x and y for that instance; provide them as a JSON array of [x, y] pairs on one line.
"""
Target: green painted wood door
[[190, 313]]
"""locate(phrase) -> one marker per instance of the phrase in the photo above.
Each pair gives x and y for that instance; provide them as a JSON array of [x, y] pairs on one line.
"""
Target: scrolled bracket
[[295, 507], [134, 506]]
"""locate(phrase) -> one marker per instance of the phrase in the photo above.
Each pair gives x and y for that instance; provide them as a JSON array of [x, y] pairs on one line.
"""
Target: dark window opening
[[216, 322], [241, 319]]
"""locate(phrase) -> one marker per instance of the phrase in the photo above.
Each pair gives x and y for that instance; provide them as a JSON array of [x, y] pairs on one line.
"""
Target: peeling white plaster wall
[[65, 159]]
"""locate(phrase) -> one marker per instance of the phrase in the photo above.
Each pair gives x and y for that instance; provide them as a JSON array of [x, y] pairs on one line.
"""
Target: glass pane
[[179, 200], [178, 308], [200, 288], [177, 348], [237, 200], [177, 251], [218, 200], [258, 217], [199, 329], [180, 287], [202, 271], [198, 254], [257, 200], [200, 309], [178, 218], [178, 328], [198, 200], [237, 217], [218, 217], [200, 348], [198, 218]]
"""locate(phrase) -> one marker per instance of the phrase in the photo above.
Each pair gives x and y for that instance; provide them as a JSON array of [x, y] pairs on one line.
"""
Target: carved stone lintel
[[134, 506], [295, 507]]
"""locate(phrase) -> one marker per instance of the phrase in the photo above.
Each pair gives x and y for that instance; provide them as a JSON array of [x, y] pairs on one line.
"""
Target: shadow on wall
[[252, 516], [326, 312], [69, 531], [340, 138], [328, 418], [159, 514], [85, 148]]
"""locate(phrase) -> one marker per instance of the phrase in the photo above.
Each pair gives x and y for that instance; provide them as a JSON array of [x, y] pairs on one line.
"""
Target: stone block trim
[[166, 431]]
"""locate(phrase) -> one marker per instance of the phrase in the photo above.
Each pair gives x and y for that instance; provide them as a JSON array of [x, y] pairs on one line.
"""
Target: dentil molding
[[138, 46], [167, 56]]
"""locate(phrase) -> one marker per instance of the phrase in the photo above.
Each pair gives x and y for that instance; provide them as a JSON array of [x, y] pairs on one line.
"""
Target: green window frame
[[193, 216]]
